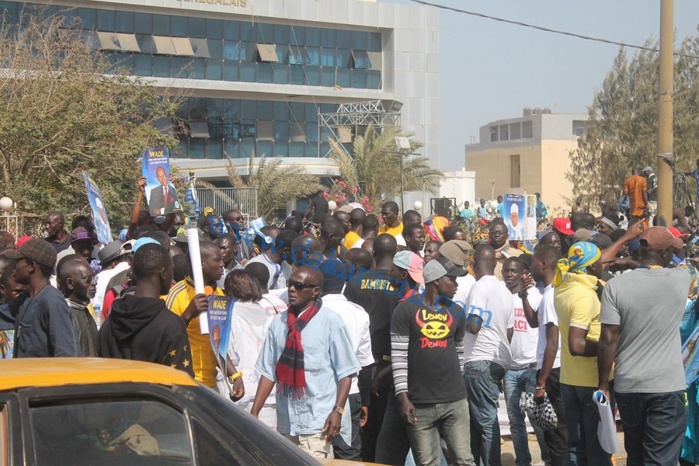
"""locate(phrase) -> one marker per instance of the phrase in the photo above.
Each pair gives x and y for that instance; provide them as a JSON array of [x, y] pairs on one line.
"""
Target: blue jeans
[[448, 420], [483, 388], [654, 426], [582, 419], [518, 381]]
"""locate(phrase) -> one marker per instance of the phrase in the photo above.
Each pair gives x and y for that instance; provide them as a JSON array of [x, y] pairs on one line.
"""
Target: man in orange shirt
[[636, 188]]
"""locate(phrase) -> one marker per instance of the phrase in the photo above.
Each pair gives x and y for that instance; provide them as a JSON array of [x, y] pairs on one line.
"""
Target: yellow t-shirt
[[577, 305], [204, 359], [350, 239], [394, 231]]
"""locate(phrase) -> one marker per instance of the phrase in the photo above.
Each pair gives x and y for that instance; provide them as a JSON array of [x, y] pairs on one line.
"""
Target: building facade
[[529, 154], [257, 73]]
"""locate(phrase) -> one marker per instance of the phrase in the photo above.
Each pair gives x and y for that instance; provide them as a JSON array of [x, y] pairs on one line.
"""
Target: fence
[[223, 199]]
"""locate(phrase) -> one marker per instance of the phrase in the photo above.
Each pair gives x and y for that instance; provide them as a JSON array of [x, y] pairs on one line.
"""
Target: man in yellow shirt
[[357, 216], [578, 310], [391, 222], [185, 302]]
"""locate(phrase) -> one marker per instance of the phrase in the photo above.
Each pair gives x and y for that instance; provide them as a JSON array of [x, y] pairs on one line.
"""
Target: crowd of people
[[388, 338]]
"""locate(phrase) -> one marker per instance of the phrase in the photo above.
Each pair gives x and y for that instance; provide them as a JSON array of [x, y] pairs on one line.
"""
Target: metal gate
[[223, 199]]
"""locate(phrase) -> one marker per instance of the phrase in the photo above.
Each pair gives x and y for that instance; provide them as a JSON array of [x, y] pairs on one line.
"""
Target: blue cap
[[142, 242]]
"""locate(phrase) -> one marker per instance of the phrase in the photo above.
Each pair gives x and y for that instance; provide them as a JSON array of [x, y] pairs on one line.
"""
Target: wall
[[494, 164], [556, 190]]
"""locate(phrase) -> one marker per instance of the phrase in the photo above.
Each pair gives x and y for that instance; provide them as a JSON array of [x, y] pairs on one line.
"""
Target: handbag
[[540, 414]]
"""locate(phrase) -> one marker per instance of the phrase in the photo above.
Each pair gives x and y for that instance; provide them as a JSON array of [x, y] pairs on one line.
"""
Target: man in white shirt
[[548, 351], [113, 259], [490, 316], [522, 374], [276, 258], [459, 252], [356, 320]]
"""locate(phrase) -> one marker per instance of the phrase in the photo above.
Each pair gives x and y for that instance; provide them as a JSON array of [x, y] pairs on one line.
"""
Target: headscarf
[[580, 256]]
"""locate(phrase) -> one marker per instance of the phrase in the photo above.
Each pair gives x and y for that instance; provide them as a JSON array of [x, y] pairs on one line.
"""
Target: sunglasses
[[301, 286]]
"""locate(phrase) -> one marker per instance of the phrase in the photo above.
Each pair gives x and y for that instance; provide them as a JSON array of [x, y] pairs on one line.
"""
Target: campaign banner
[[219, 319], [514, 209], [99, 212], [530, 225], [160, 192]]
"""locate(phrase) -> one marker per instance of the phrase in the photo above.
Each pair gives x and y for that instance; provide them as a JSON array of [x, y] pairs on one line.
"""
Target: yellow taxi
[[88, 411]]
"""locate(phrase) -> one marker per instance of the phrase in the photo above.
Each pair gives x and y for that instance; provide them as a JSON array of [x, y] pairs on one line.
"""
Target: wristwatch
[[339, 410]]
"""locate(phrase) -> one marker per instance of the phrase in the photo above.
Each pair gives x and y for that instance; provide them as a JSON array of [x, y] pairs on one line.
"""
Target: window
[[267, 53], [493, 134], [527, 132], [200, 47], [199, 129], [515, 131], [146, 43], [265, 131], [375, 60], [360, 59], [504, 133], [298, 132], [164, 45], [514, 171], [79, 433], [579, 127], [298, 56], [108, 41], [128, 43], [183, 46]]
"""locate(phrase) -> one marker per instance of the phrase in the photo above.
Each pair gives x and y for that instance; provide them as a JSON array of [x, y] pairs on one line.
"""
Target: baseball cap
[[80, 234], [456, 250], [563, 225], [142, 242], [659, 238], [647, 169], [677, 233], [110, 252], [411, 262], [437, 268], [37, 250]]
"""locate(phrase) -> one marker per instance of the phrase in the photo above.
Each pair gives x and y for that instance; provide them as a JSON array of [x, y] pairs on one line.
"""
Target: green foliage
[[622, 131], [276, 183], [374, 167], [63, 109]]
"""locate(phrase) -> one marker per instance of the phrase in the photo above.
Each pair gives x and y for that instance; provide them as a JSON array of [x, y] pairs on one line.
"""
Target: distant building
[[528, 154], [256, 73]]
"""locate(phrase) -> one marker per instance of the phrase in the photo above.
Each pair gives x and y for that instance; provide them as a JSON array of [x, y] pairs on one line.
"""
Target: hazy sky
[[491, 70]]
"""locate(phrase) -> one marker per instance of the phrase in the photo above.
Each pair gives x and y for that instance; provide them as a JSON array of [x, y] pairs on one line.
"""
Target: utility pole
[[665, 110]]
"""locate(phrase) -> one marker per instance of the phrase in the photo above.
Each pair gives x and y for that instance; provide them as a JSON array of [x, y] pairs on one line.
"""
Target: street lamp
[[6, 204], [403, 146]]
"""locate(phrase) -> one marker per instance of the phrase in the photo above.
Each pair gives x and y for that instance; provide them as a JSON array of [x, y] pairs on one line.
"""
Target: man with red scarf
[[308, 354]]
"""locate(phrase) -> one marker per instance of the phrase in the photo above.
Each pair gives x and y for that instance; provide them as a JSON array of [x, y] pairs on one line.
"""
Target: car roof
[[50, 372]]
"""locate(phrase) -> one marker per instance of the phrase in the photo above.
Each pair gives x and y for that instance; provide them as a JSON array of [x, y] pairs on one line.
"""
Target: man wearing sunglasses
[[312, 385]]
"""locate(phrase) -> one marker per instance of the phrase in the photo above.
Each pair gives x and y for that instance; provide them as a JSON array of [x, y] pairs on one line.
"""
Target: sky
[[491, 70]]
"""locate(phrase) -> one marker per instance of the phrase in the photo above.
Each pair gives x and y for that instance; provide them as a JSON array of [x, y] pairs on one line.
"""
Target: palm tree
[[275, 184], [374, 166]]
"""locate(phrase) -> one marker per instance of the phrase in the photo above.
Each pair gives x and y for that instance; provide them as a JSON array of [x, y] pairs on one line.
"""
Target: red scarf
[[291, 377]]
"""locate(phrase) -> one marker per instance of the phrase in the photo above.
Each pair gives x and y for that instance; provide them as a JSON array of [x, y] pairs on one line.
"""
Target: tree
[[622, 130], [65, 108], [373, 168], [276, 184]]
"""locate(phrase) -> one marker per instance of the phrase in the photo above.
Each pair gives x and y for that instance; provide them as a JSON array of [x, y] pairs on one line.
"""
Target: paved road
[[508, 451]]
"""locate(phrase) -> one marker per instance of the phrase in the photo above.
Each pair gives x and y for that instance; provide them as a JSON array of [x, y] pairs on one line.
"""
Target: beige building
[[528, 154]]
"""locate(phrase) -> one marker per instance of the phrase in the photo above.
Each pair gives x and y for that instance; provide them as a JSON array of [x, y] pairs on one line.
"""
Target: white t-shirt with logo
[[547, 315], [491, 301], [524, 338]]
